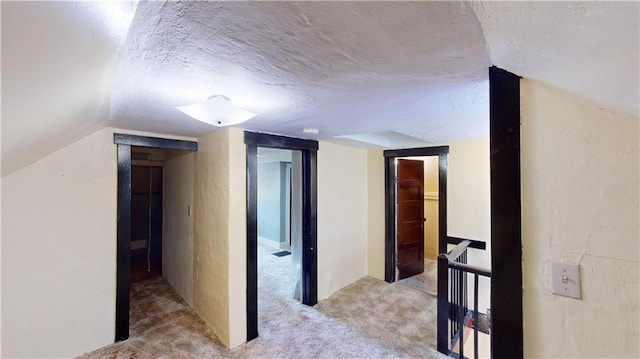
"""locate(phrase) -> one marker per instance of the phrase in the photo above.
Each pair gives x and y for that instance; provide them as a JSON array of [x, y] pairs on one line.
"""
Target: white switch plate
[[565, 279]]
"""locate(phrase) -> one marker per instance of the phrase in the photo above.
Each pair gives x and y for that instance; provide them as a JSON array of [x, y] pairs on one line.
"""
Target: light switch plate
[[565, 279]]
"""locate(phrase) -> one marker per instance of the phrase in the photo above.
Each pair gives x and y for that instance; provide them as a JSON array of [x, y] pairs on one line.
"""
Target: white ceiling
[[58, 62], [341, 67], [395, 69], [590, 49]]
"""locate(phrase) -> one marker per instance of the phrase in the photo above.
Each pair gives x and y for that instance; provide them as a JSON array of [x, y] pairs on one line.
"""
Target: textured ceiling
[[590, 49], [58, 61], [344, 67], [384, 69]]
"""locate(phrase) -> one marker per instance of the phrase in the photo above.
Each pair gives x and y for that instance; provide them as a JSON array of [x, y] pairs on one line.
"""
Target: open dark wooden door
[[410, 218]]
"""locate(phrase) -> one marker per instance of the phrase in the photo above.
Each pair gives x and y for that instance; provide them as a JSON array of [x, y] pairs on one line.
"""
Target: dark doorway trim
[[474, 243], [277, 141], [123, 251], [309, 150], [390, 223], [390, 202], [506, 223], [154, 142]]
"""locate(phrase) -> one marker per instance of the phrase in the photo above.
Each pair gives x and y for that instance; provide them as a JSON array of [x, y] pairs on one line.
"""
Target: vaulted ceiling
[[414, 70]]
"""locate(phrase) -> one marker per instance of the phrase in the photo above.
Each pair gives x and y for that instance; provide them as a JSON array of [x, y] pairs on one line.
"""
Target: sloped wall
[[58, 62], [580, 204], [59, 252]]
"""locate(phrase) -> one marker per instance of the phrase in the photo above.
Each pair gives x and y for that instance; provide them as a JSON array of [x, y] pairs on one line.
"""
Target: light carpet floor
[[426, 281], [367, 319]]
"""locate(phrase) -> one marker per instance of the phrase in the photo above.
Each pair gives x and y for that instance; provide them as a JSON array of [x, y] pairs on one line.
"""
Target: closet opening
[[155, 224], [147, 174]]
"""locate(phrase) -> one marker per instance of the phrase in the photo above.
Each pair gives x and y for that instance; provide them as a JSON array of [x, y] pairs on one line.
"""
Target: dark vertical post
[[252, 242], [390, 220], [443, 307], [476, 277], [442, 203], [506, 231], [461, 313], [309, 228], [442, 271], [123, 253]]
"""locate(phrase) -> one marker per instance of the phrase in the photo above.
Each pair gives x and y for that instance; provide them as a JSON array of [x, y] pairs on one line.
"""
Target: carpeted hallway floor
[[368, 319], [426, 281]]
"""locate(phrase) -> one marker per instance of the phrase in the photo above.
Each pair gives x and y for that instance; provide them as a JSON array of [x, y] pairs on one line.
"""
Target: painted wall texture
[[342, 217], [178, 224], [469, 205], [468, 212], [269, 200], [59, 250], [219, 288], [431, 177], [580, 204], [468, 193], [237, 238], [375, 214], [59, 243], [210, 232]]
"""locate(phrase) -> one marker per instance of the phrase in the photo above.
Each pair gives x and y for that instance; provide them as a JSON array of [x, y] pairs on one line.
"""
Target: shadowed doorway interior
[[146, 215], [139, 151]]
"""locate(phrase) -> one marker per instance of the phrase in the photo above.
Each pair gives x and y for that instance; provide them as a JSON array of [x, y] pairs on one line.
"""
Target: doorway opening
[[279, 186], [303, 152], [412, 191], [405, 218], [143, 248], [146, 213], [417, 202]]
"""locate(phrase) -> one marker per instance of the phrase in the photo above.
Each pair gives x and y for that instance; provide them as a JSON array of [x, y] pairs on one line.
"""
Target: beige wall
[[468, 192], [342, 217], [431, 205], [220, 227], [431, 170], [59, 250], [177, 258], [219, 288], [375, 214], [210, 232], [468, 204], [237, 238], [580, 204]]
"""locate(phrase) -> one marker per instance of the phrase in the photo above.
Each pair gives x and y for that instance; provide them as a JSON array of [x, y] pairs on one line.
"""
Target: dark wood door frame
[[309, 149], [506, 220], [123, 252], [390, 202]]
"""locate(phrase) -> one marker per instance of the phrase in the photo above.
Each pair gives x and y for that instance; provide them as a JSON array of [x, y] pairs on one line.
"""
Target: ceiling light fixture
[[217, 110], [311, 131]]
